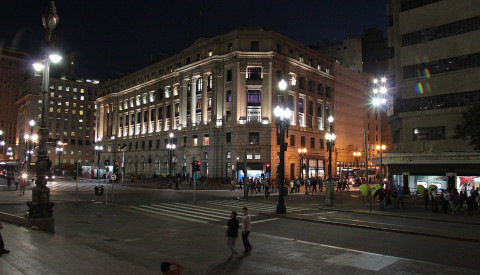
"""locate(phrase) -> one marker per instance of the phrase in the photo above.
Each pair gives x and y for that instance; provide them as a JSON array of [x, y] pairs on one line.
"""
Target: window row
[[459, 27], [442, 66], [413, 4], [441, 101]]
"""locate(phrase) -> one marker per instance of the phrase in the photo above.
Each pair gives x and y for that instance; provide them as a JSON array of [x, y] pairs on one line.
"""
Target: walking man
[[2, 244], [232, 233], [246, 228]]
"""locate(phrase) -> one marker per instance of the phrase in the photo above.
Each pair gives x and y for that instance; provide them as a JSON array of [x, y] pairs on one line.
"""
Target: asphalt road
[[144, 227]]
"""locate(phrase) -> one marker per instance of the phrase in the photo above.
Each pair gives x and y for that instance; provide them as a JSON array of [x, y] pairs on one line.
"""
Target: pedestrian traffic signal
[[278, 169], [115, 166], [267, 167], [196, 165]]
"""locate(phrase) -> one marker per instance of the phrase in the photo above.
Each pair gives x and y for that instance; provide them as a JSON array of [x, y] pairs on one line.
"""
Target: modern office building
[[436, 62], [70, 121], [12, 73], [217, 98]]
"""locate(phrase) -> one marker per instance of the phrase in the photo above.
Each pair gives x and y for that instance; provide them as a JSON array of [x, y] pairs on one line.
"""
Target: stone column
[[193, 102], [204, 99], [267, 92], [183, 102]]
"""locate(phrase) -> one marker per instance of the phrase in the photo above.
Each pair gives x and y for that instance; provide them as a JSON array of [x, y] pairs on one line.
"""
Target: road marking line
[[267, 220], [176, 211], [166, 214]]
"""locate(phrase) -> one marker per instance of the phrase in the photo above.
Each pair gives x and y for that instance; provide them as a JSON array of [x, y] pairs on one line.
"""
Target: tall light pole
[[40, 206], [330, 136], [282, 124], [59, 151], [170, 147], [98, 151], [2, 143], [379, 99], [381, 148], [301, 152]]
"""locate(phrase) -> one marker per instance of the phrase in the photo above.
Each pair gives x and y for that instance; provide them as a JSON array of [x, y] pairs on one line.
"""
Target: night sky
[[114, 37]]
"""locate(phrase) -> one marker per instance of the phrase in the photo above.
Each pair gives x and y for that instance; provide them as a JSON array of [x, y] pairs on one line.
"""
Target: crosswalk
[[82, 186], [211, 211]]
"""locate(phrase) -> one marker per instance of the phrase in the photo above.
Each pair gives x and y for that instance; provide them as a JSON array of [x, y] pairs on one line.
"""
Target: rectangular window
[[206, 140], [292, 140], [312, 143], [258, 154], [194, 141], [229, 96], [429, 133], [254, 73], [254, 138], [302, 141], [229, 155], [322, 144], [228, 138], [249, 154], [229, 75], [254, 46]]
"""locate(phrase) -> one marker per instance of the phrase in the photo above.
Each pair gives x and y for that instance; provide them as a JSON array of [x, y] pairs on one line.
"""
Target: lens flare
[[419, 88], [426, 73]]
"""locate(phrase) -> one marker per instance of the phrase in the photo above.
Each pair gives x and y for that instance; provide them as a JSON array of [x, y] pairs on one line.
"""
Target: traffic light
[[199, 163], [115, 166], [278, 169], [267, 167]]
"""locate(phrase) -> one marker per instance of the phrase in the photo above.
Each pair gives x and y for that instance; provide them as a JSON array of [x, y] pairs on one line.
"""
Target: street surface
[[136, 229]]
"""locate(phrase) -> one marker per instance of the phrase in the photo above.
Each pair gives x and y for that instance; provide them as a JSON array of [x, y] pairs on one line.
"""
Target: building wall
[[12, 68], [435, 52], [237, 62], [71, 119]]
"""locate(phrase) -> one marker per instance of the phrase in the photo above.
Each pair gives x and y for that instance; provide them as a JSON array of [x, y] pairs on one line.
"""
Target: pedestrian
[[16, 184], [433, 197], [388, 201], [320, 185], [2, 244], [445, 200], [292, 187], [400, 197], [453, 200], [9, 181], [23, 184], [339, 185], [381, 197], [246, 228], [314, 185], [425, 200], [307, 186], [240, 184], [297, 186], [165, 267], [232, 233]]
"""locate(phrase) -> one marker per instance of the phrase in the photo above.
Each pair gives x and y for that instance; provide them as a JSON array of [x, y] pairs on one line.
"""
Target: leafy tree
[[469, 129]]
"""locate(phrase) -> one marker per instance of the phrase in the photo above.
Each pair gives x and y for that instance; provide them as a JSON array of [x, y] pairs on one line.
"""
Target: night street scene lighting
[[330, 136], [379, 99], [40, 206]]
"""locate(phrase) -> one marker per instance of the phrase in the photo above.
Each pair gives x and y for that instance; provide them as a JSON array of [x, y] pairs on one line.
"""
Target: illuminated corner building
[[71, 118], [12, 68], [435, 47], [217, 97]]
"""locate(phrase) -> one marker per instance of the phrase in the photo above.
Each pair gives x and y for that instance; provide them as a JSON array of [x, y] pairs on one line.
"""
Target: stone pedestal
[[329, 193]]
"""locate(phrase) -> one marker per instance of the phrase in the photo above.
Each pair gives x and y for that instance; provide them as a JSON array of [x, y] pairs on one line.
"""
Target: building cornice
[[430, 158]]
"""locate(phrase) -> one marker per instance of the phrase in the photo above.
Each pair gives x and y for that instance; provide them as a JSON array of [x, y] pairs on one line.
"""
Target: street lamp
[[170, 147], [330, 136], [379, 99], [301, 152], [59, 151], [381, 148], [357, 155], [40, 206], [98, 151], [282, 123]]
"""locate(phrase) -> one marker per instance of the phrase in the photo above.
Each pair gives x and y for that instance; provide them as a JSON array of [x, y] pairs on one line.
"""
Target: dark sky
[[117, 36]]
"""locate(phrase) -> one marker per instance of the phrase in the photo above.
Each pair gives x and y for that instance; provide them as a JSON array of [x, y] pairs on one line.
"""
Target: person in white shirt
[[246, 228]]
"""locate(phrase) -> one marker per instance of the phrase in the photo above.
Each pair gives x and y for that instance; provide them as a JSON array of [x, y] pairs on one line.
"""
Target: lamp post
[[59, 151], [381, 148], [40, 206], [98, 151], [282, 123], [379, 93], [170, 147], [301, 152], [330, 136], [357, 155], [2, 143]]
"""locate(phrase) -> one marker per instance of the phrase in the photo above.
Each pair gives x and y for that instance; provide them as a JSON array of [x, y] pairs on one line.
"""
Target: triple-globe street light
[[330, 136], [171, 147], [283, 123]]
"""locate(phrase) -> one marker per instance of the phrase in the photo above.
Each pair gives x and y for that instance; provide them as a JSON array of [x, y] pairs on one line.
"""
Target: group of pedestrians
[[386, 196], [310, 185], [231, 232]]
